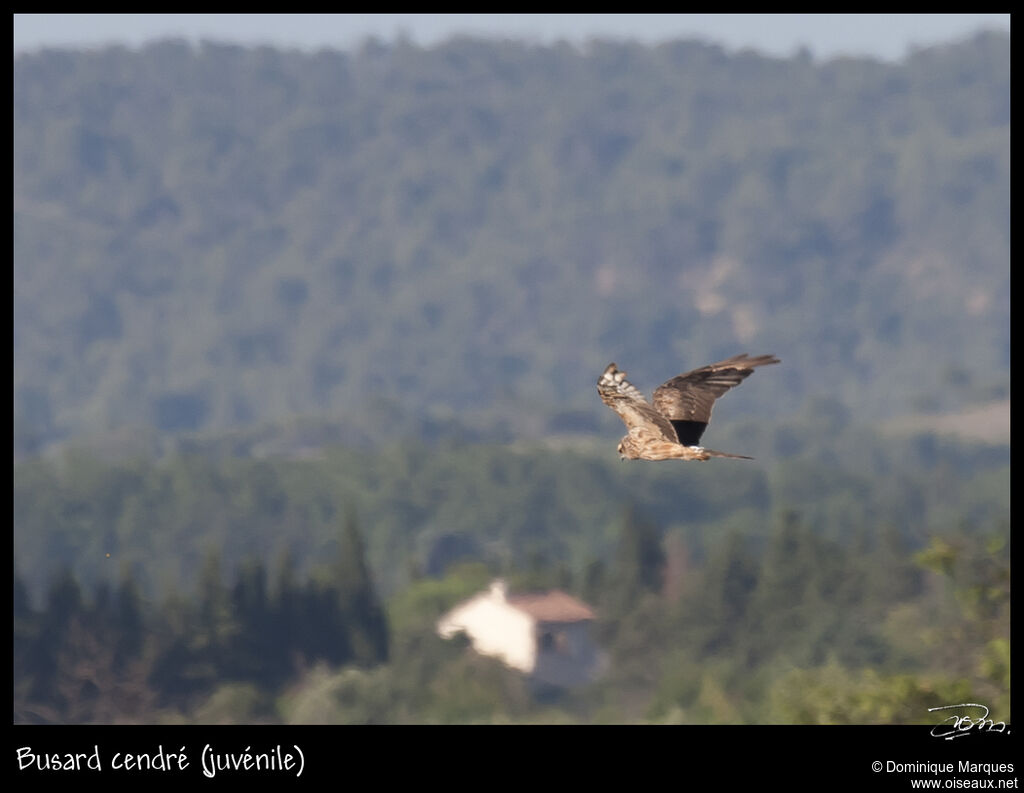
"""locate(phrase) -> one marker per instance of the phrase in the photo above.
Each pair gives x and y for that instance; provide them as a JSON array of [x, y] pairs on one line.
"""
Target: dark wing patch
[[634, 410], [690, 397], [688, 432]]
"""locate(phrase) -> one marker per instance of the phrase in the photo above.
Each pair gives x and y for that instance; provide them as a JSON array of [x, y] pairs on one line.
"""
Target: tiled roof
[[554, 606]]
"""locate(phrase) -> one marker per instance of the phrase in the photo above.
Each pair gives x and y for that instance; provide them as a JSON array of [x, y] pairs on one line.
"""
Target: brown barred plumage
[[671, 427]]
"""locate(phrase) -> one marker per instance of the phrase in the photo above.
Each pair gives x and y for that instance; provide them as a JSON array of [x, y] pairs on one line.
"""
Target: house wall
[[569, 657], [494, 628]]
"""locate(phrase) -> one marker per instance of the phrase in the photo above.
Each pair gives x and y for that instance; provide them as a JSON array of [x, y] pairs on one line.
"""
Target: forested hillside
[[306, 346], [823, 588], [210, 236], [427, 506]]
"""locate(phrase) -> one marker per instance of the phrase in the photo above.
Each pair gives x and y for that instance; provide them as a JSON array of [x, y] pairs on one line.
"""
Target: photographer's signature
[[957, 726]]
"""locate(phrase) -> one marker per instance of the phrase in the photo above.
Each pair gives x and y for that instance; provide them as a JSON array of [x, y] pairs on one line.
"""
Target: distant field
[[988, 423]]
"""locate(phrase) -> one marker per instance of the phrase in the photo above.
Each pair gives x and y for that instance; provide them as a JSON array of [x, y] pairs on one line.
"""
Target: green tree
[[365, 617], [639, 565], [256, 654], [716, 604]]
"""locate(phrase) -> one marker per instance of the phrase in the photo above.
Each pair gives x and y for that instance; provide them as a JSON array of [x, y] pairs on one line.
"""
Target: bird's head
[[627, 449]]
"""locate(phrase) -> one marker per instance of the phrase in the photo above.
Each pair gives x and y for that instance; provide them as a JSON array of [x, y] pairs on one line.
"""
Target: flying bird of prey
[[670, 429]]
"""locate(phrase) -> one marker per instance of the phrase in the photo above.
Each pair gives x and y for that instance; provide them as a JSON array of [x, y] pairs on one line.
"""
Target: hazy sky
[[882, 35]]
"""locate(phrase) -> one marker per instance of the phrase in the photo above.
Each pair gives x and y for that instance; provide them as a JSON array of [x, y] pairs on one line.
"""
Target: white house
[[545, 635]]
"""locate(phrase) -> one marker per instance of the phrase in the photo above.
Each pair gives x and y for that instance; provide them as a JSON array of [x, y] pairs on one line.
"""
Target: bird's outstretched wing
[[635, 411], [686, 400]]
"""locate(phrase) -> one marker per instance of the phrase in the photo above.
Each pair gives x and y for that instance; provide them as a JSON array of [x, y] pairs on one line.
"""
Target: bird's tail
[[713, 453]]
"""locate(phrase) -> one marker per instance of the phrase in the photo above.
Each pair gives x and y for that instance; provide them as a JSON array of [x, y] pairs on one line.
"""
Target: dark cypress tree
[[322, 627], [362, 612], [22, 601], [63, 606], [594, 579], [285, 616], [26, 625], [254, 653], [128, 625], [215, 626]]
